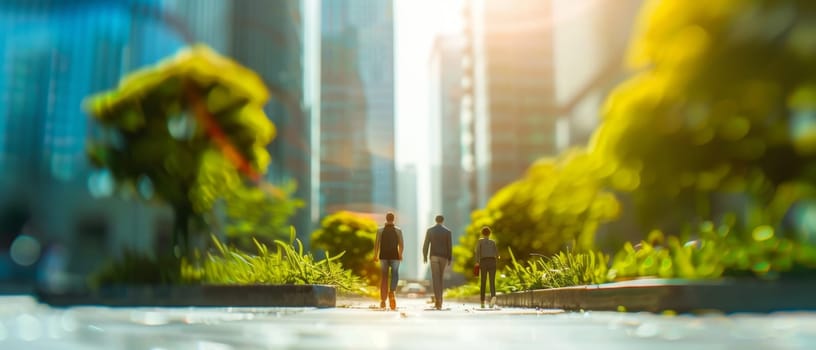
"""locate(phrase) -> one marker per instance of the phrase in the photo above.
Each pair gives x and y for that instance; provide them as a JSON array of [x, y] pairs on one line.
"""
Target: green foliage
[[259, 213], [191, 127], [466, 290], [723, 101], [286, 265], [675, 260], [717, 252], [564, 269], [557, 202], [351, 233]]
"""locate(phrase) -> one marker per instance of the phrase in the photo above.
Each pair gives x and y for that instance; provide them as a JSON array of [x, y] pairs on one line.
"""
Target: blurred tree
[[261, 213], [191, 129], [558, 202], [725, 100], [353, 234]]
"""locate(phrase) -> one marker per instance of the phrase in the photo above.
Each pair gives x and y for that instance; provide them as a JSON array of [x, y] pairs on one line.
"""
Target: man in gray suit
[[438, 237]]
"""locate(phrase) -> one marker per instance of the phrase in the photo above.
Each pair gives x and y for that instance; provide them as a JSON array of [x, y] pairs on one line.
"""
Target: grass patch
[[286, 263], [564, 269]]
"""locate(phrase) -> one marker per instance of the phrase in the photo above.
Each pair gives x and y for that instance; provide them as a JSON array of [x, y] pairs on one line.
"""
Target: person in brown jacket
[[486, 255]]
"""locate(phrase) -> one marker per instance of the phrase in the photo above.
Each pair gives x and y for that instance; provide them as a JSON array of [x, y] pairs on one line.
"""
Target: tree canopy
[[724, 99], [259, 212], [193, 126]]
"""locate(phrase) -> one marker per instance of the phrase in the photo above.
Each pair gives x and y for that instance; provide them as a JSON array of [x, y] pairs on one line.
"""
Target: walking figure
[[486, 255], [438, 238], [388, 248]]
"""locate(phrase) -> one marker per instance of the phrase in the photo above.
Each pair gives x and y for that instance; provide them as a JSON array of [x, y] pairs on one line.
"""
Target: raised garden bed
[[320, 296], [682, 296]]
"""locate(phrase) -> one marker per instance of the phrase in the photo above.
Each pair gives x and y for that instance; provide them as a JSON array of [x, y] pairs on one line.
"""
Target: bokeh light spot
[[145, 186], [101, 184], [803, 131], [804, 216], [761, 267], [25, 250], [763, 233]]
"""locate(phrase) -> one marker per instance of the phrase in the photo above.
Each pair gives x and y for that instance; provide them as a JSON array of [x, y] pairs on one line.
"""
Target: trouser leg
[[384, 266], [438, 274], [394, 274], [483, 276], [488, 268], [493, 281]]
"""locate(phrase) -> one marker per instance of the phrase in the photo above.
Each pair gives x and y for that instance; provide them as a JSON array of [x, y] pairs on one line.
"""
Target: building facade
[[590, 44], [513, 94], [267, 37], [357, 106], [55, 53], [449, 174]]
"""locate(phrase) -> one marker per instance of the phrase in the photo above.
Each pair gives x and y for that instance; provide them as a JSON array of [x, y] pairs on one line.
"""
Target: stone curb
[[682, 296], [320, 296]]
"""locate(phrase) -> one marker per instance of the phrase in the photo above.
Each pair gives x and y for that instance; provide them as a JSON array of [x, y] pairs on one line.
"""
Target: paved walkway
[[358, 324]]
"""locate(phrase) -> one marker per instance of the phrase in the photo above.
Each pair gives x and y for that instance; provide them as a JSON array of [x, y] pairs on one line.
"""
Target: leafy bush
[[700, 260], [716, 253], [557, 202], [466, 290], [722, 101], [260, 213], [351, 233]]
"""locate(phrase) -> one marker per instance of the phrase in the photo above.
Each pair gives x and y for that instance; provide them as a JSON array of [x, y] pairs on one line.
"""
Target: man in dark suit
[[438, 237]]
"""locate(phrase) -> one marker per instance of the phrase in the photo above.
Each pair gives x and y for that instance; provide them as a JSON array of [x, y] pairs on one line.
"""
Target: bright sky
[[417, 23]]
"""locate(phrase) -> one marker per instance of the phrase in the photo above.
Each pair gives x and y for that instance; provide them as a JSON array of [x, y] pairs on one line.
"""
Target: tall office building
[[513, 94], [449, 176], [267, 37], [357, 170], [55, 53], [590, 43]]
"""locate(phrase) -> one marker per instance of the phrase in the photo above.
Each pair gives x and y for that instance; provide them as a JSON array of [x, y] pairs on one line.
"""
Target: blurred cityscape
[[514, 83]]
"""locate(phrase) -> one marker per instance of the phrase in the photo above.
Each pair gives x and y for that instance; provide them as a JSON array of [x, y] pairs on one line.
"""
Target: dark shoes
[[382, 304], [392, 301]]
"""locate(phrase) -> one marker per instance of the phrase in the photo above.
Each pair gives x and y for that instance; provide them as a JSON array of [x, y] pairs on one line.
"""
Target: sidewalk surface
[[359, 324]]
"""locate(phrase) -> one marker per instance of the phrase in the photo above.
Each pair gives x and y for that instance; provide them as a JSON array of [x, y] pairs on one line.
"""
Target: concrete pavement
[[358, 324]]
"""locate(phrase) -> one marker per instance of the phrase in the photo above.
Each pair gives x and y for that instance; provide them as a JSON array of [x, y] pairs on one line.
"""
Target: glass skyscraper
[[357, 106], [55, 53], [512, 97]]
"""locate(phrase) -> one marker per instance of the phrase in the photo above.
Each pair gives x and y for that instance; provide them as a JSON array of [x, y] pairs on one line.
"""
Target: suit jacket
[[438, 237]]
